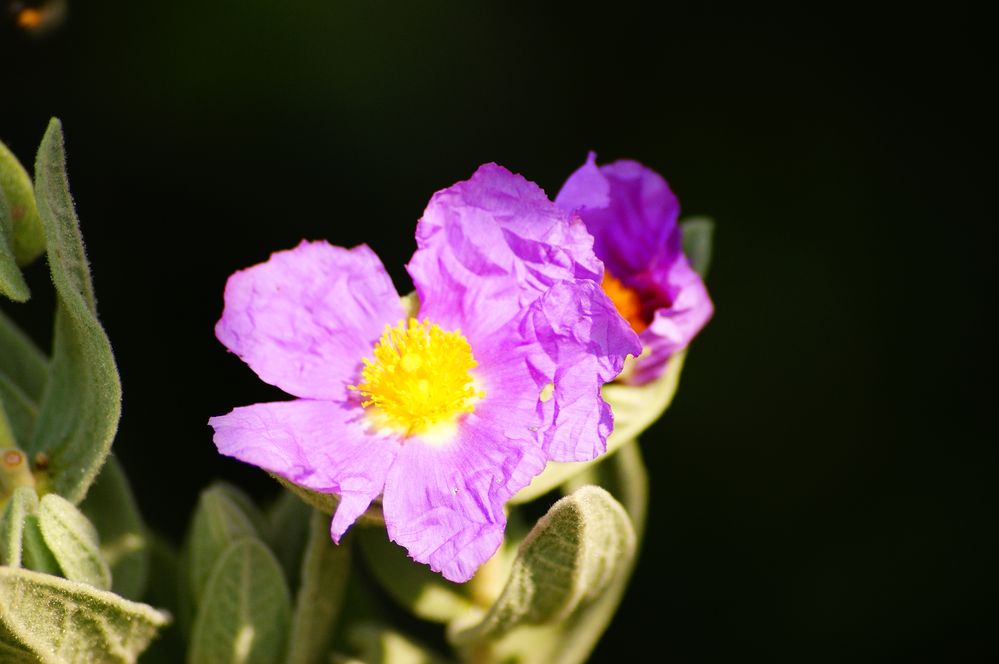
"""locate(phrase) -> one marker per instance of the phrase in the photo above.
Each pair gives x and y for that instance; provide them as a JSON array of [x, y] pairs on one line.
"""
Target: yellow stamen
[[627, 301], [420, 377]]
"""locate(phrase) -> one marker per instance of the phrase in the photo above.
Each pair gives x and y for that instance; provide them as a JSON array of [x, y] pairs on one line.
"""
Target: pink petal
[[304, 319], [320, 445]]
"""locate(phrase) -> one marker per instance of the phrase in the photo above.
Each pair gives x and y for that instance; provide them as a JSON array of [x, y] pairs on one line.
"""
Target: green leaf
[[35, 554], [17, 412], [11, 652], [24, 232], [20, 360], [698, 238], [73, 541], [571, 640], [12, 282], [325, 569], [635, 408], [424, 593], [244, 615], [287, 531], [218, 522], [161, 591], [80, 407], [570, 556], [380, 645], [110, 506], [63, 621], [23, 501]]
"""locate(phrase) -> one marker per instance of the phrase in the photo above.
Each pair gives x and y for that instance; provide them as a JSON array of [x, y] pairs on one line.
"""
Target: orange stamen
[[627, 301]]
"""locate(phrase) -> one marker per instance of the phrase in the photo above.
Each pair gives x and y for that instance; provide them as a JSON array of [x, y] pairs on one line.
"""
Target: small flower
[[632, 215], [447, 413]]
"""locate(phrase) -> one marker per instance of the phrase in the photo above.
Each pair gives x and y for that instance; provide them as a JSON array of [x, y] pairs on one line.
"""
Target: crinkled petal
[[320, 445], [304, 319], [578, 343], [444, 502], [629, 209], [489, 246], [675, 325]]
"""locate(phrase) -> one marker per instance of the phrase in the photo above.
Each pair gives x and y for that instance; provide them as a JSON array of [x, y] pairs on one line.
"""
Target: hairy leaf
[[81, 404], [21, 362], [24, 233], [73, 541], [12, 283], [244, 614], [65, 622], [23, 502], [567, 560]]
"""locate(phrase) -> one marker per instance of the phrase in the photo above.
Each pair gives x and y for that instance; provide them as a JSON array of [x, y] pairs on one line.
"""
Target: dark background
[[822, 487]]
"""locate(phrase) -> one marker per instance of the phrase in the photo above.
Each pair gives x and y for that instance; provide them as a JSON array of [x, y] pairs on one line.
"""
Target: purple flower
[[448, 413], [632, 215]]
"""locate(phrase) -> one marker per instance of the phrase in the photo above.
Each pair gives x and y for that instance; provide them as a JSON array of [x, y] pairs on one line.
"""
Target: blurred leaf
[[67, 622], [12, 282], [110, 506], [35, 553], [24, 232], [11, 651], [23, 501], [245, 503], [698, 238], [79, 410], [161, 591], [287, 532], [21, 363], [635, 408], [218, 522], [327, 502], [380, 645], [73, 541], [325, 568], [17, 412], [424, 593], [567, 560], [245, 610]]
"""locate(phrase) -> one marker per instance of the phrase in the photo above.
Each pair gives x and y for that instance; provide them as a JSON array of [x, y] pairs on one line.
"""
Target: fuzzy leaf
[[79, 410], [567, 560], [571, 640], [325, 568], [245, 610], [12, 282], [73, 541], [698, 238], [64, 621], [23, 501], [635, 408], [21, 362], [424, 593], [218, 522], [35, 553], [17, 412], [24, 233], [111, 507]]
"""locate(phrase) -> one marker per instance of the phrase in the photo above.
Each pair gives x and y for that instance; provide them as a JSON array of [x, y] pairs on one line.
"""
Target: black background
[[822, 487]]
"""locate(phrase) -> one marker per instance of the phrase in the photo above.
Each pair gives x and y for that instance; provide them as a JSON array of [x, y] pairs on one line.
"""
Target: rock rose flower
[[632, 214], [446, 412]]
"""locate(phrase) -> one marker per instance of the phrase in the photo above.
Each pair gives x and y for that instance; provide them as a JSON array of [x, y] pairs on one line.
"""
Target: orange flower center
[[627, 301]]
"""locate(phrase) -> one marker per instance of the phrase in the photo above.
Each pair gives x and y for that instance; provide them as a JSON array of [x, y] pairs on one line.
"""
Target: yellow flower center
[[627, 301], [420, 377]]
